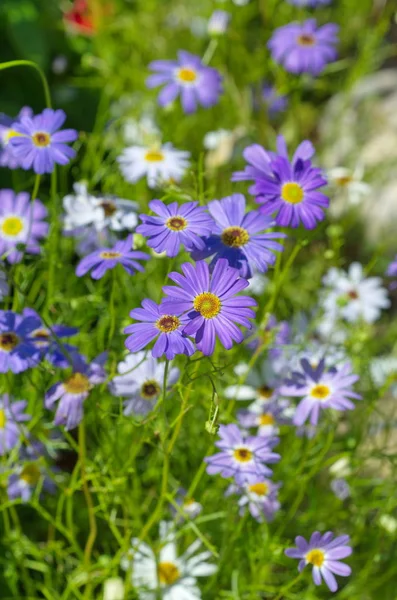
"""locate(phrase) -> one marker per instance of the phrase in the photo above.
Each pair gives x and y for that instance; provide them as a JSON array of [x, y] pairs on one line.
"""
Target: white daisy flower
[[349, 183], [82, 209], [218, 22], [158, 163], [141, 131], [175, 576], [383, 367], [352, 296]]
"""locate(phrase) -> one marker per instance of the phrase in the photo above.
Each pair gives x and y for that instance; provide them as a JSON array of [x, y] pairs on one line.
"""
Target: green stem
[[112, 312], [53, 240], [28, 63], [288, 586], [90, 506]]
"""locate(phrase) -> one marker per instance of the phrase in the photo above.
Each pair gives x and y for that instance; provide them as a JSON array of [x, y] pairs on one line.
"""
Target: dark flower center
[[8, 341], [265, 392], [353, 294], [108, 208], [177, 223], [306, 40], [77, 384], [41, 139], [235, 237], [168, 323], [242, 454], [150, 389]]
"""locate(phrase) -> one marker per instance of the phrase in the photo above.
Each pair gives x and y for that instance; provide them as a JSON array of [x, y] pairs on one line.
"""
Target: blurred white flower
[[220, 145], [218, 22], [341, 467], [388, 523], [59, 64], [82, 209], [352, 296], [257, 284], [176, 576], [113, 589], [157, 163], [143, 131], [381, 369], [349, 183]]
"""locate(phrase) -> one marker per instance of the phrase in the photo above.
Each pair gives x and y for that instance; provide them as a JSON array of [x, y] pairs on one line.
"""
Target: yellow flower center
[[150, 389], [168, 573], [10, 133], [177, 223], [8, 341], [41, 139], [242, 454], [107, 255], [260, 489], [306, 40], [315, 557], [42, 336], [108, 208], [187, 75], [266, 419], [292, 193], [154, 156], [343, 181], [77, 384], [3, 419], [30, 474], [207, 304], [265, 392], [168, 323], [235, 237], [320, 391], [12, 226]]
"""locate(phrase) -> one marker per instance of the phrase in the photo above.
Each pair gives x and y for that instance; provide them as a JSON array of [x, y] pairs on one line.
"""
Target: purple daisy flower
[[304, 47], [104, 259], [242, 457], [188, 77], [319, 389], [175, 226], [211, 303], [287, 188], [260, 498], [21, 224], [39, 144], [265, 417], [7, 157], [237, 237], [72, 392], [167, 328], [392, 272], [275, 102], [11, 414], [17, 352], [47, 341], [324, 553], [27, 476]]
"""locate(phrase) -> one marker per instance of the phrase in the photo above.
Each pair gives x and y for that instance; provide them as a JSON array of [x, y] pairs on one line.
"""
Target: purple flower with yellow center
[[102, 260], [175, 225], [239, 237], [11, 415], [242, 457], [187, 77], [165, 328], [71, 393], [7, 157], [21, 225], [17, 351], [211, 303], [288, 189], [26, 478], [392, 272], [39, 143], [324, 553], [304, 47], [320, 389], [260, 498]]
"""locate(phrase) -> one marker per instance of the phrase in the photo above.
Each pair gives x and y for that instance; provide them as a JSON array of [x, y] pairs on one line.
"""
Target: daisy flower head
[[140, 380], [304, 47], [100, 261], [211, 303], [324, 553], [49, 341], [71, 393], [265, 417], [39, 143], [242, 457], [175, 225], [26, 478], [159, 164], [174, 574], [21, 224], [352, 296], [260, 384], [218, 22], [155, 324], [260, 498], [83, 210], [276, 103], [17, 350], [187, 77], [349, 183], [241, 238], [7, 157], [319, 389], [12, 414]]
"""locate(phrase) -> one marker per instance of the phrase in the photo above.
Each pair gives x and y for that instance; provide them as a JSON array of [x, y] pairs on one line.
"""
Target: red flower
[[79, 18]]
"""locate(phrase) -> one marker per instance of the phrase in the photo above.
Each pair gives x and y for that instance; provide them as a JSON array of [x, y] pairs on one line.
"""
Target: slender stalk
[[90, 506], [288, 586], [53, 240], [28, 63]]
